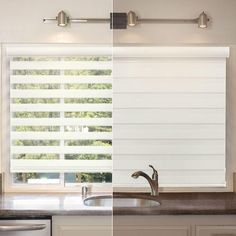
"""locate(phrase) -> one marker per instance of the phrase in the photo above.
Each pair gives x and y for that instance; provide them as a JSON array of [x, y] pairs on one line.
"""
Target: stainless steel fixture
[[121, 201], [99, 201], [62, 19], [203, 20], [84, 191], [131, 19], [153, 182], [25, 227]]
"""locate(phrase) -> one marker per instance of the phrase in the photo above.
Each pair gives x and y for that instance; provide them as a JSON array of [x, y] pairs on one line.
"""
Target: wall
[[221, 31], [22, 21]]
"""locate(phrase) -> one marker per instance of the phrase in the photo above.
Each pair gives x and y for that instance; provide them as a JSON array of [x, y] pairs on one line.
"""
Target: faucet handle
[[155, 173]]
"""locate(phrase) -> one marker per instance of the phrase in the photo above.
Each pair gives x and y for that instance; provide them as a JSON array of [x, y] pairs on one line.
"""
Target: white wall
[[22, 21], [221, 30]]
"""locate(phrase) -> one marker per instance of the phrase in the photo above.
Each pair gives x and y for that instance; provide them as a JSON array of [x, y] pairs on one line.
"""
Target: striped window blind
[[60, 113], [169, 111]]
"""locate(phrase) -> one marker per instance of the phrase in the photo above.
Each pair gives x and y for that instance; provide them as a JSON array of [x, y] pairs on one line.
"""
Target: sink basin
[[120, 201], [98, 201]]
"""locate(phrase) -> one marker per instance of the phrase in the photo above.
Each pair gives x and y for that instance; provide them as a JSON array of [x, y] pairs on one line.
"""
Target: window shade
[[169, 111], [60, 109]]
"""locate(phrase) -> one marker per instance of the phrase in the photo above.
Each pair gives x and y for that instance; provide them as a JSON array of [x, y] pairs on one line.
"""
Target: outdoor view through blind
[[60, 114]]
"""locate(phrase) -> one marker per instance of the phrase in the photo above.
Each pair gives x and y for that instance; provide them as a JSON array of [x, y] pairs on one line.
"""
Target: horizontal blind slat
[[61, 135], [169, 162], [57, 93], [162, 100], [61, 149], [53, 79], [188, 85], [59, 121], [153, 147], [170, 52], [175, 131], [60, 65], [62, 166], [59, 107], [168, 116], [180, 67], [173, 178], [58, 50]]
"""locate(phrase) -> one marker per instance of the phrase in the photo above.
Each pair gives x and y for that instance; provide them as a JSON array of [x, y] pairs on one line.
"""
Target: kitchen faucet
[[153, 182]]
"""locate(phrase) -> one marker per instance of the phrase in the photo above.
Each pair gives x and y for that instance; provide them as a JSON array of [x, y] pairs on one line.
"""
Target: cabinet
[[82, 225], [152, 230], [156, 225], [169, 225]]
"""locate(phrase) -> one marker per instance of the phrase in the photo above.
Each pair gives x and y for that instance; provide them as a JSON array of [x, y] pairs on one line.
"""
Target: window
[[60, 113], [69, 111], [169, 111]]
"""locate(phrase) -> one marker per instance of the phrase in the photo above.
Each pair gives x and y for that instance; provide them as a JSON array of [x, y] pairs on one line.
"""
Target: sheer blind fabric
[[169, 111]]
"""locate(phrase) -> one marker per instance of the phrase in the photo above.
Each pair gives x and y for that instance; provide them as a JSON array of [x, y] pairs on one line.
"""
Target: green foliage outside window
[[69, 177]]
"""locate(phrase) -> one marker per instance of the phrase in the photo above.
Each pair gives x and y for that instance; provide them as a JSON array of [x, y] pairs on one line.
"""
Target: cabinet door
[[151, 231], [216, 230], [70, 230], [81, 226]]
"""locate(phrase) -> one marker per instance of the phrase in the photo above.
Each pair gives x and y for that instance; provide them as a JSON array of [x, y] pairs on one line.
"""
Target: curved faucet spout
[[152, 182], [140, 173]]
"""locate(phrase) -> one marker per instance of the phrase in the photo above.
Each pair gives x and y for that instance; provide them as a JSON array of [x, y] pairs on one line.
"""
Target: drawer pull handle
[[26, 227]]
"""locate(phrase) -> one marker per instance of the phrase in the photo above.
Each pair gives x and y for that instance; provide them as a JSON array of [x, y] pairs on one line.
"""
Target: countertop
[[187, 204], [46, 205]]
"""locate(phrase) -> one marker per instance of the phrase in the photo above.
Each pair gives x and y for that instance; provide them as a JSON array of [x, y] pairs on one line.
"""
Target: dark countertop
[[187, 204], [43, 205]]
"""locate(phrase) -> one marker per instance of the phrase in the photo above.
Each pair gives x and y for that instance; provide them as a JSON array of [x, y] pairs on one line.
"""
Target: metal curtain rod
[[122, 20], [168, 21], [80, 20]]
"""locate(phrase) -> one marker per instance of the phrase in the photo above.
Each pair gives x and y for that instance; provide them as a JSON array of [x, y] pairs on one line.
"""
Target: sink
[[120, 201], [99, 201]]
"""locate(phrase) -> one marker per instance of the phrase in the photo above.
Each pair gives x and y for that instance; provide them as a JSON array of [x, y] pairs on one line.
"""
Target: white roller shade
[[169, 111], [60, 109]]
